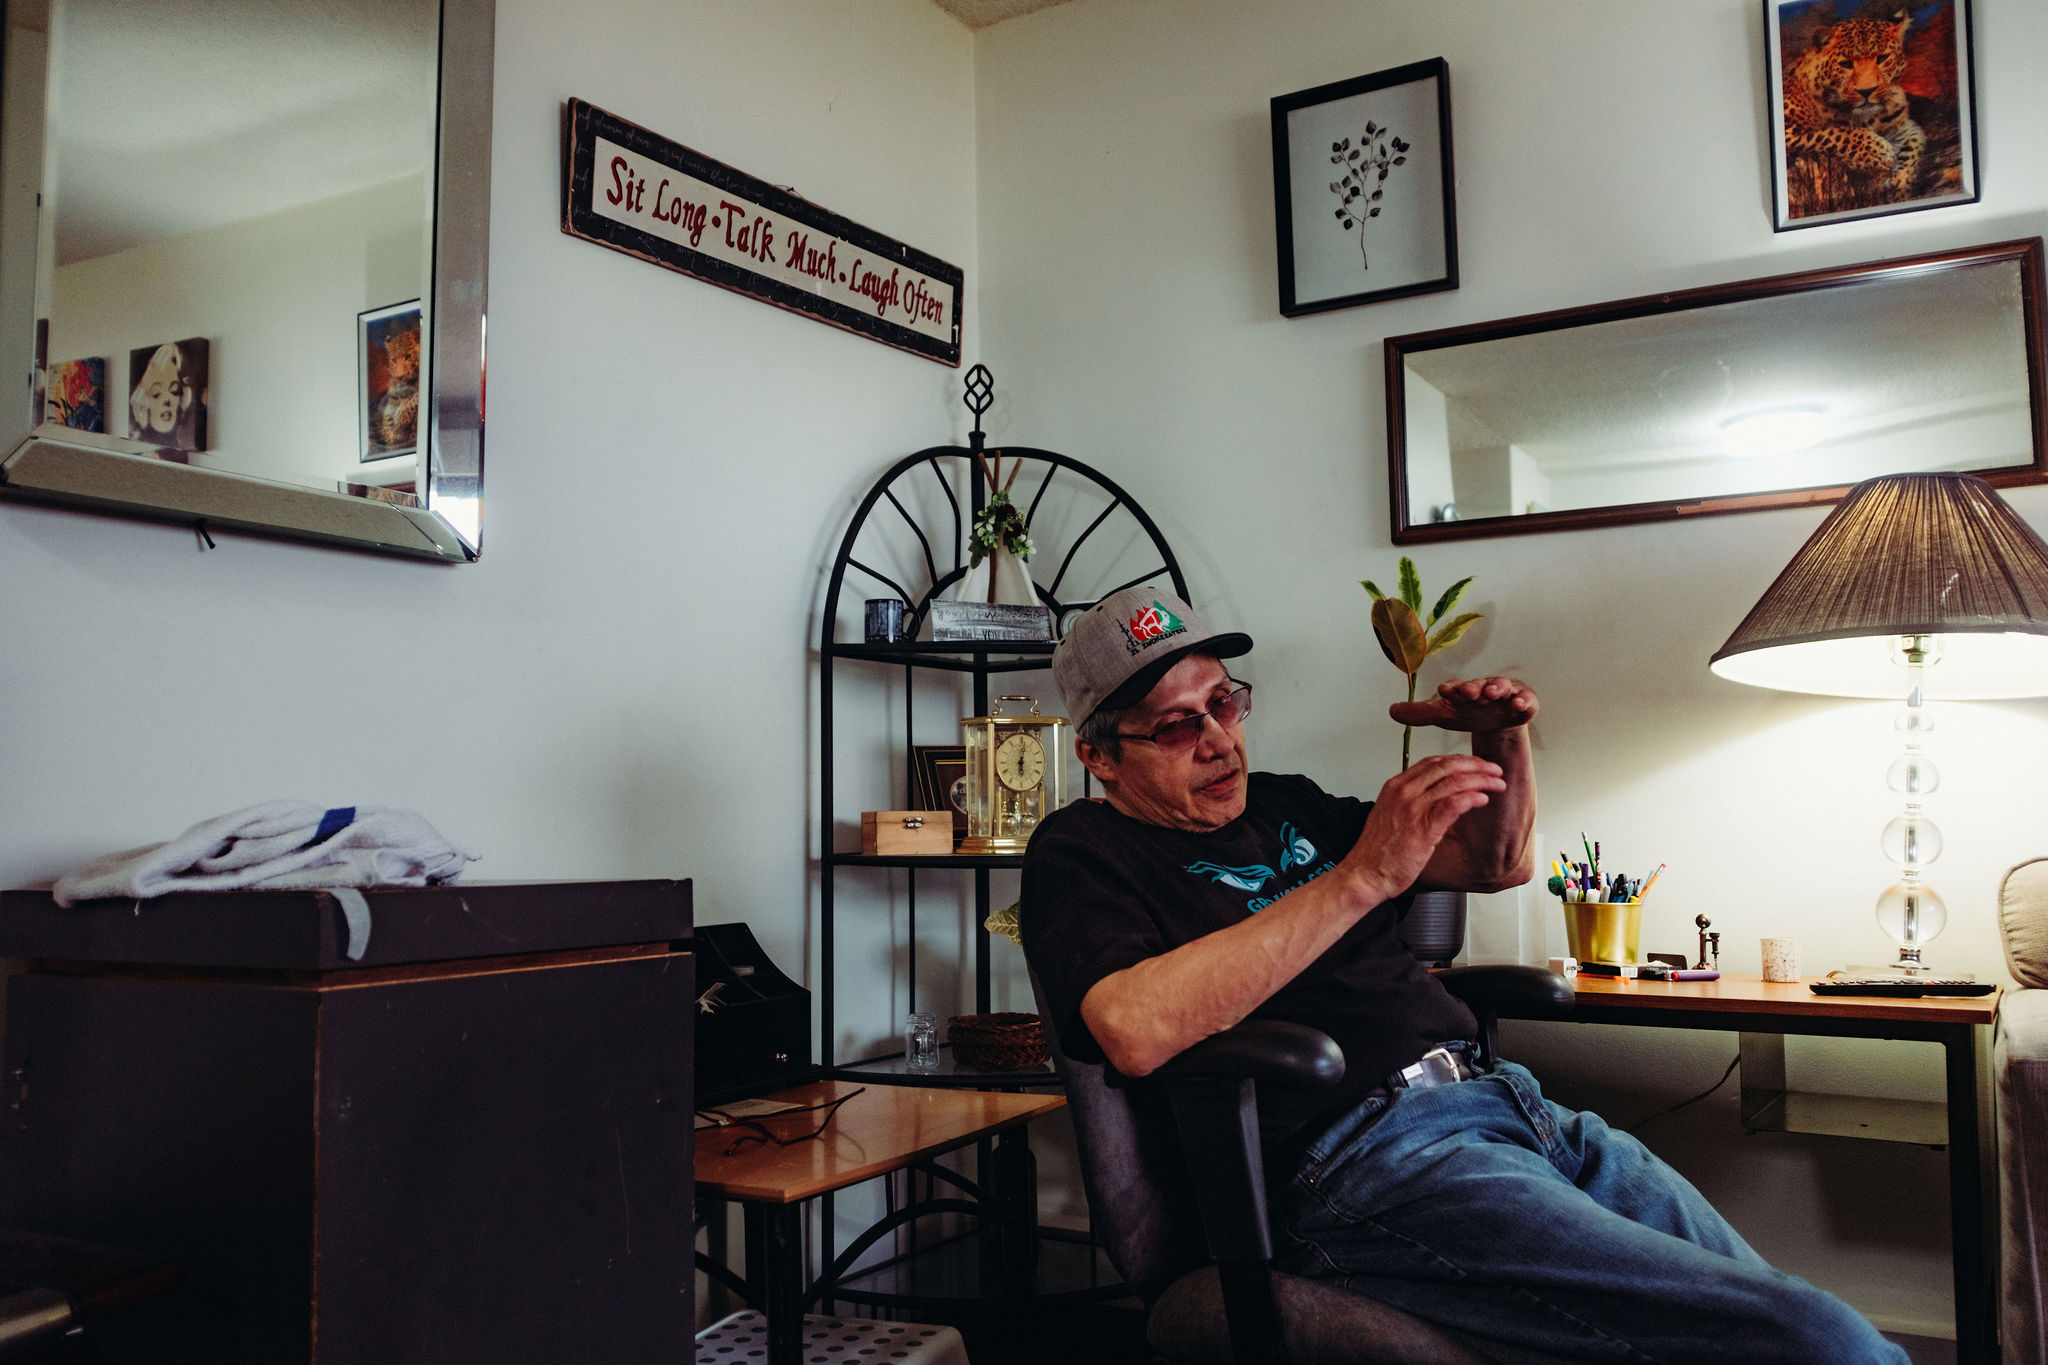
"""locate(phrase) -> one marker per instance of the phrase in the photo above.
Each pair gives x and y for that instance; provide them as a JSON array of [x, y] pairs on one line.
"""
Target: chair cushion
[[2023, 921], [1324, 1323], [2020, 1063]]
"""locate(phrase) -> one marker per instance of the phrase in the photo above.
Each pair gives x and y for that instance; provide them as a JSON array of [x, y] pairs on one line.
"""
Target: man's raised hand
[[1472, 704]]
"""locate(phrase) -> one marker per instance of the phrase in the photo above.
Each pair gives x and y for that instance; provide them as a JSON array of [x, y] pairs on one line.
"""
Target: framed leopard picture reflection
[[388, 380], [1872, 108]]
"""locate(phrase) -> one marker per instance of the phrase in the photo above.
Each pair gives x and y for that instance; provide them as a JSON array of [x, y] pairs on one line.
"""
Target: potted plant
[[1434, 927]]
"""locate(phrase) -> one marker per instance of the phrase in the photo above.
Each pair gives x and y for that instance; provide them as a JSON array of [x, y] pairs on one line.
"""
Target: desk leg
[[1976, 1335], [775, 1269]]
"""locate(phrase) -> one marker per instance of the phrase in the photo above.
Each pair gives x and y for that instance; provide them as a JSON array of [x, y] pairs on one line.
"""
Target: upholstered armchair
[[2020, 1058]]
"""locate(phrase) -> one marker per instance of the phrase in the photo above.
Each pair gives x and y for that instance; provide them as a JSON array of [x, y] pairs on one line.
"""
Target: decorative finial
[[981, 395]]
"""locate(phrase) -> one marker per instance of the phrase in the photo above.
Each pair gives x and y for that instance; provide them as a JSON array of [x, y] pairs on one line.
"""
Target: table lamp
[[1926, 585]]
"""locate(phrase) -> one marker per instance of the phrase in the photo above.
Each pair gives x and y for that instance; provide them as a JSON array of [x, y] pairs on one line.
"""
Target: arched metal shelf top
[[887, 500]]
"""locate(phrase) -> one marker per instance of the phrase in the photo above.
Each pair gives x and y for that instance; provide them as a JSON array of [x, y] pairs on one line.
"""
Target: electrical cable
[[1633, 1128]]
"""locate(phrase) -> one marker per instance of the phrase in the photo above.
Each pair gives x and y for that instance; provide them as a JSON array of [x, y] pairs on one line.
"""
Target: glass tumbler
[[921, 1042]]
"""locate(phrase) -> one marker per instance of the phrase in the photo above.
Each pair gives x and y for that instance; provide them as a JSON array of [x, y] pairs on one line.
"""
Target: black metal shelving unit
[[1090, 539], [928, 501]]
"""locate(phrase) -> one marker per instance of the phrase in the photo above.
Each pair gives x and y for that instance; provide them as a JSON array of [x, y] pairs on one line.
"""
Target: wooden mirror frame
[[2027, 254]]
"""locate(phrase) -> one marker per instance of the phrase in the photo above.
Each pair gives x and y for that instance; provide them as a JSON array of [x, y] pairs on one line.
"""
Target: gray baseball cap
[[1121, 647]]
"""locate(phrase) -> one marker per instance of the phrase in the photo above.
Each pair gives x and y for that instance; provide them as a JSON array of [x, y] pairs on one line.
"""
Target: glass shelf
[[965, 860], [890, 1069], [959, 656]]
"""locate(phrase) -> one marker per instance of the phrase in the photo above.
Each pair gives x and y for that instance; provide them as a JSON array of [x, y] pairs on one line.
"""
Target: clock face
[[1020, 762]]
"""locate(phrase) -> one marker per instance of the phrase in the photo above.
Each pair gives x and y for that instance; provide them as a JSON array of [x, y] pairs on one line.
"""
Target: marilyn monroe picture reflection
[[167, 394]]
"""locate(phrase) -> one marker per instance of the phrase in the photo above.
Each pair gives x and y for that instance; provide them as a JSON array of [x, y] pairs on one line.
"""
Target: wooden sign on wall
[[634, 191]]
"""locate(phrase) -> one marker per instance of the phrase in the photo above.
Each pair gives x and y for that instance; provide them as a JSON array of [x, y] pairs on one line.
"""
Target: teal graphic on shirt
[[1295, 852]]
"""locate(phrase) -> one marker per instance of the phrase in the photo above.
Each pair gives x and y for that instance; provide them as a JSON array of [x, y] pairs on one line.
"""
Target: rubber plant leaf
[[1372, 589], [1448, 600], [1452, 632], [1411, 584], [1400, 634]]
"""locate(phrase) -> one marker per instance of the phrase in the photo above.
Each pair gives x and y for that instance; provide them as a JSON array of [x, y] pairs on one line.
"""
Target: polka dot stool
[[742, 1339]]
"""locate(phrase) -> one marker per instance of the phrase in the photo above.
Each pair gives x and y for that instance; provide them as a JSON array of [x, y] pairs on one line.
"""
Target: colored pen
[[1652, 882]]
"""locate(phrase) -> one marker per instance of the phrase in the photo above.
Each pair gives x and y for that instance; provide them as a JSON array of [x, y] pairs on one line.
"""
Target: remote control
[[1899, 987]]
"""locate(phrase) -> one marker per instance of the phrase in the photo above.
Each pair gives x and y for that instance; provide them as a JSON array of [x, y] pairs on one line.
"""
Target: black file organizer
[[753, 1022]]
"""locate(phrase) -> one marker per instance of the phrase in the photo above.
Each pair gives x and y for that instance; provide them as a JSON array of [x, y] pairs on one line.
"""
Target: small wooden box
[[905, 833]]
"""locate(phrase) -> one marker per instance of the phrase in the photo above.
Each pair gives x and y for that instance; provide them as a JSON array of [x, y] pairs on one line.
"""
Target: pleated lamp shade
[[1906, 554]]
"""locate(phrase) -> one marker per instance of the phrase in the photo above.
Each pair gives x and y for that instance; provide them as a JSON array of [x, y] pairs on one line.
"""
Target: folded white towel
[[277, 845]]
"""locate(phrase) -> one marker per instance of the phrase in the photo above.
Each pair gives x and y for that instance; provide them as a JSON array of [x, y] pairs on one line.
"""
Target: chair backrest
[[1140, 1196]]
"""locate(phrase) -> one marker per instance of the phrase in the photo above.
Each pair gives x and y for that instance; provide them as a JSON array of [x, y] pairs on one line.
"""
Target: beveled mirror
[[243, 247], [1764, 393]]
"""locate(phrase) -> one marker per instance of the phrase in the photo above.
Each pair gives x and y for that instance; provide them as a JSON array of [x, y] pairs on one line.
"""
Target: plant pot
[[1434, 927]]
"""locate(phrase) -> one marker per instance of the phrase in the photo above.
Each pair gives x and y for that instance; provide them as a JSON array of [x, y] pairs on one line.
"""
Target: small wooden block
[[905, 833]]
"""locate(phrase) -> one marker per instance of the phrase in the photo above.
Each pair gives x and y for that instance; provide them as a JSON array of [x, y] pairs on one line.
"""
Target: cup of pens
[[1603, 911]]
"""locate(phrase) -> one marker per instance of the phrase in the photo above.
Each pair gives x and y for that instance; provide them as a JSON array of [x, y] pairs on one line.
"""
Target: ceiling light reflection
[[1778, 431]]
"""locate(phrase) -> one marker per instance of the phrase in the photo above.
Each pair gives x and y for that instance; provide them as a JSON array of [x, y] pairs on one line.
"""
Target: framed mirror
[[1765, 393], [243, 249]]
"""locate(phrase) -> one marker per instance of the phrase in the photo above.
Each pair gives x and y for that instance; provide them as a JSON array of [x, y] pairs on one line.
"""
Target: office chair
[[1178, 1199]]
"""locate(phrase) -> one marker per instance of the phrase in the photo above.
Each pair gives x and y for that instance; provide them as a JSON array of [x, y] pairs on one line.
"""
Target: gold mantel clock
[[1016, 776]]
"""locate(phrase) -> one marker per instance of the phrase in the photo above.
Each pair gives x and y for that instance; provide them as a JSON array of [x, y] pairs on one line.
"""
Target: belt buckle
[[1439, 1066]]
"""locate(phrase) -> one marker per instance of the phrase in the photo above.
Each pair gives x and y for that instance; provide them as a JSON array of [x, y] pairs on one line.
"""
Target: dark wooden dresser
[[471, 1145]]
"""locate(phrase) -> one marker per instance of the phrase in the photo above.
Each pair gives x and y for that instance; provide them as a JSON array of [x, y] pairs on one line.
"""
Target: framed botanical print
[[1363, 199], [1872, 108]]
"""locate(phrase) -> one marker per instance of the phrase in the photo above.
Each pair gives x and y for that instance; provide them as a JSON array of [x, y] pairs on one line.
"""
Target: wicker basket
[[997, 1042]]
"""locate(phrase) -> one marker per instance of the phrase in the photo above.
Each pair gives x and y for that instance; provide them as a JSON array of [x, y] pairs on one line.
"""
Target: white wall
[[1603, 151], [276, 297]]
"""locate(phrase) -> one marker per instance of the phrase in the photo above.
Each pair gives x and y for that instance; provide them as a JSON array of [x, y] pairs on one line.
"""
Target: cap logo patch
[[1149, 626]]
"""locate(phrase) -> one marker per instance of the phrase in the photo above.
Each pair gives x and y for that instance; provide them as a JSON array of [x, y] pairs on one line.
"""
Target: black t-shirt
[[1103, 892]]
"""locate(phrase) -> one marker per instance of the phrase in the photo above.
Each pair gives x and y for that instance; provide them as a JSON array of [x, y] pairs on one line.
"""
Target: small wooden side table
[[883, 1129]]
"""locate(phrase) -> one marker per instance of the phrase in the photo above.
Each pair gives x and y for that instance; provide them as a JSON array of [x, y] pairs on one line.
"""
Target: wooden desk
[[885, 1128], [1748, 1004]]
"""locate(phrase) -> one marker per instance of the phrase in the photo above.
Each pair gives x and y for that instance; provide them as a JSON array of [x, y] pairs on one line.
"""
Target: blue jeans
[[1543, 1235]]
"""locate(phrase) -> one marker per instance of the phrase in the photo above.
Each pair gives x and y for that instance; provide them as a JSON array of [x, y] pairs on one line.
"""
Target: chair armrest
[[1263, 1050], [1506, 990], [1213, 1088]]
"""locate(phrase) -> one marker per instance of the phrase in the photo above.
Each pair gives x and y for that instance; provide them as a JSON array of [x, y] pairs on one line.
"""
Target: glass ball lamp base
[[1910, 915]]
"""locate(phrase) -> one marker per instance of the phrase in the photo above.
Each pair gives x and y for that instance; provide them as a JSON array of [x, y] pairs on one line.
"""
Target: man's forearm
[[1491, 848], [1147, 1014]]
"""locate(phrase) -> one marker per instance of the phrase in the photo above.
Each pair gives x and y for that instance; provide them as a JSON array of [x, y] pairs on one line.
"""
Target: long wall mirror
[[1765, 393], [243, 247]]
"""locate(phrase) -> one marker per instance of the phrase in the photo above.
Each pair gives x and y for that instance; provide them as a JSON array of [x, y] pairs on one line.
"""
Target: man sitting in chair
[[1198, 894]]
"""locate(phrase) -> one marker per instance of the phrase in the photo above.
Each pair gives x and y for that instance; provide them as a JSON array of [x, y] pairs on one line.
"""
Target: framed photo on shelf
[[1363, 194], [1872, 109], [941, 781]]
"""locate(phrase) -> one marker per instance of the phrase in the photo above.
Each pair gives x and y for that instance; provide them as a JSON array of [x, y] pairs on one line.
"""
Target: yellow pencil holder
[[1604, 931]]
